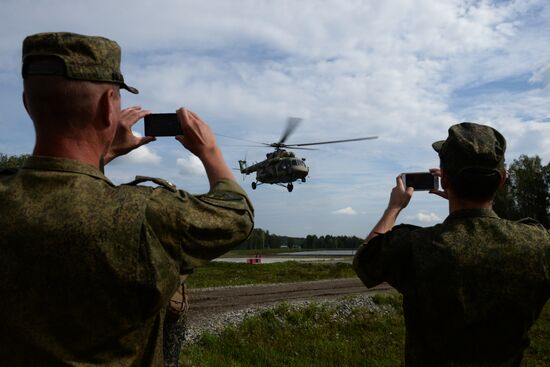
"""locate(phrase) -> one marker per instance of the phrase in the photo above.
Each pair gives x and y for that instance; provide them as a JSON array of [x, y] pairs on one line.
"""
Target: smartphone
[[420, 181], [162, 124]]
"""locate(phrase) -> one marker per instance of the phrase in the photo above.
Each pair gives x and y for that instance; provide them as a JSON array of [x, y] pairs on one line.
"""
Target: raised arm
[[399, 199], [198, 139]]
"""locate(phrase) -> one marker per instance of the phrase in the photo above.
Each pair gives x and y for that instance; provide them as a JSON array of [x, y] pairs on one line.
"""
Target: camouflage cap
[[472, 146], [82, 57]]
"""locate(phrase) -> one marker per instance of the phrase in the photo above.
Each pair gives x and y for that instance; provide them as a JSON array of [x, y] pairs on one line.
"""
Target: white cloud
[[345, 211], [190, 165], [140, 155], [425, 217], [541, 75]]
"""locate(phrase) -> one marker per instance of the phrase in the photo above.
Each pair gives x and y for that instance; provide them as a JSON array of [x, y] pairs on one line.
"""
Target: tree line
[[260, 239], [12, 161], [526, 194]]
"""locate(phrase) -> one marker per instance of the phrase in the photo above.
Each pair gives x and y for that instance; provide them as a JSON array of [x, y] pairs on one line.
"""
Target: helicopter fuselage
[[282, 170], [279, 167]]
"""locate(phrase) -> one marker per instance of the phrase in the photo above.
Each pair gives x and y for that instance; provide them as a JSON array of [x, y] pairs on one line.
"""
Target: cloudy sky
[[404, 70]]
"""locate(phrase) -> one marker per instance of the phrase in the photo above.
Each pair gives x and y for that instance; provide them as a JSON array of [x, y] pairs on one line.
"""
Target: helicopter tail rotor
[[242, 166]]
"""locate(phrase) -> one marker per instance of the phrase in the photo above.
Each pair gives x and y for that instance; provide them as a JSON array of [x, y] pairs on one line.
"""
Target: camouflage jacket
[[472, 286], [87, 268]]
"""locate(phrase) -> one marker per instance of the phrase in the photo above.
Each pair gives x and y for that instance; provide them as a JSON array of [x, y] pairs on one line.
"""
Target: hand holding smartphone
[[162, 124], [420, 181]]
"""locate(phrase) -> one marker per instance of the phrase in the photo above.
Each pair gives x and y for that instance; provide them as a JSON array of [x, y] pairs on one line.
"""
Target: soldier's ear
[[108, 114]]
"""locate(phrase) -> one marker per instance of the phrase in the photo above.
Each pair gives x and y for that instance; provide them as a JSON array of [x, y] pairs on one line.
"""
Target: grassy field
[[217, 274], [538, 354], [309, 336], [314, 336]]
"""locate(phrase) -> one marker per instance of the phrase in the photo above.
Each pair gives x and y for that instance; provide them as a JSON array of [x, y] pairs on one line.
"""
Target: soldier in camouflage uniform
[[473, 285], [87, 268]]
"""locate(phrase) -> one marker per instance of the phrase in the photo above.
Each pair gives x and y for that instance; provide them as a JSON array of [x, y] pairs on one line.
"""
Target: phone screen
[[162, 124], [420, 181]]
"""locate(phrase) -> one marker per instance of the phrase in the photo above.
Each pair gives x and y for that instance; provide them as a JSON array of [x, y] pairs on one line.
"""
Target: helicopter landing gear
[[303, 179], [290, 187], [253, 185]]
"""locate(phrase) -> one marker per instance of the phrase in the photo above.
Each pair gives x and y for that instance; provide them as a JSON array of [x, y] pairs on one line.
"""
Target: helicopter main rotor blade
[[248, 141], [291, 124], [244, 145], [300, 148], [331, 142]]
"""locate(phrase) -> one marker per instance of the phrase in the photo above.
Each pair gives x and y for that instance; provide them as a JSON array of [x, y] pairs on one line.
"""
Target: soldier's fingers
[[183, 141], [439, 193], [139, 115], [130, 109], [145, 140], [399, 183], [183, 117], [435, 172], [195, 116], [180, 138]]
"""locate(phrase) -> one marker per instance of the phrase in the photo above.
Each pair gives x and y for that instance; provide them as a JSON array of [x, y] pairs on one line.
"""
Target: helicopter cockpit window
[[294, 163]]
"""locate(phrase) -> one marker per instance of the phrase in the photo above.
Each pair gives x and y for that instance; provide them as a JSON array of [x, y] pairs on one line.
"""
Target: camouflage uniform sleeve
[[196, 229], [385, 258], [534, 223]]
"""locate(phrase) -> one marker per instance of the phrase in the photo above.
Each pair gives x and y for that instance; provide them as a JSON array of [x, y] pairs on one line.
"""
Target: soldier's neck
[[69, 148], [459, 204]]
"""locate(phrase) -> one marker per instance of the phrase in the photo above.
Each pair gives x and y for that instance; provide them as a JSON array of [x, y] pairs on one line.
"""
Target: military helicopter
[[282, 167]]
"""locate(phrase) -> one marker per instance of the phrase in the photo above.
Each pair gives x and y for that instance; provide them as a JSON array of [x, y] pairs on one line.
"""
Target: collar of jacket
[[469, 213], [64, 165]]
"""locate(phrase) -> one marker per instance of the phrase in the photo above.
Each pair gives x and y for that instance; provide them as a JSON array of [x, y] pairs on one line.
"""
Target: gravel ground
[[342, 309]]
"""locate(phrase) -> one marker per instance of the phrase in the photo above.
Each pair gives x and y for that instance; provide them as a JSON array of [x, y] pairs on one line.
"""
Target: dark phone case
[[421, 181], [162, 124]]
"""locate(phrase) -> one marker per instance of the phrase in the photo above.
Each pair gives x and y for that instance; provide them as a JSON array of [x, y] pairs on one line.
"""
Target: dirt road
[[206, 303]]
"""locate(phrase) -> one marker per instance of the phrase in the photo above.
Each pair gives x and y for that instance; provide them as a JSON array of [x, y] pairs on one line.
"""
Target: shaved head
[[55, 102]]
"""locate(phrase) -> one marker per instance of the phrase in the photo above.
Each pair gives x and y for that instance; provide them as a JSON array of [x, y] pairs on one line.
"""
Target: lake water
[[322, 253], [326, 256]]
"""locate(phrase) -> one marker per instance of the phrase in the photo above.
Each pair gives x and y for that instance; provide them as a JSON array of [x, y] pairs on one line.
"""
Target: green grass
[[312, 336], [538, 353], [309, 336], [217, 274]]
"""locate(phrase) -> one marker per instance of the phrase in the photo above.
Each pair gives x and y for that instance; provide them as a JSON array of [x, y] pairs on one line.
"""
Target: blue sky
[[401, 69]]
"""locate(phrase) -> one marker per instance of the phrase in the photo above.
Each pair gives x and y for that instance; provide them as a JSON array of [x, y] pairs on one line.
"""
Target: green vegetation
[[309, 336], [12, 161], [217, 274], [261, 239], [527, 192], [317, 335], [538, 353]]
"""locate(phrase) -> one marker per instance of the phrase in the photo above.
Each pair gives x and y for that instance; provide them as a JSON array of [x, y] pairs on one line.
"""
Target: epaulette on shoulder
[[159, 181], [8, 171], [530, 221]]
